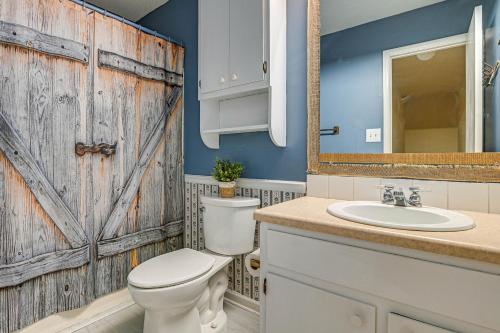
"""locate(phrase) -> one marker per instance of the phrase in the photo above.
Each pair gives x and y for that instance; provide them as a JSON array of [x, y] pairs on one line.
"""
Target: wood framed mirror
[[448, 135]]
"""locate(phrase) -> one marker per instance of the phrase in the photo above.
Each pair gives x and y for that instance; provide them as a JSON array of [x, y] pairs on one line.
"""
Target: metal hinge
[[264, 67], [199, 83], [264, 287]]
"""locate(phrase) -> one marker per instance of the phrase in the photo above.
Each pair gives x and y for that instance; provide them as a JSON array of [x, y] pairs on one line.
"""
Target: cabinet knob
[[234, 77], [222, 79], [356, 321]]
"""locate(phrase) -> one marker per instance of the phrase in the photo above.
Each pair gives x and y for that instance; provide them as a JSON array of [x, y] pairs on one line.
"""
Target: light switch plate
[[373, 135]]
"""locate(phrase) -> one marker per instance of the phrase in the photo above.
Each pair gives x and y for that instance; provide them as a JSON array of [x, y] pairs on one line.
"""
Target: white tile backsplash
[[317, 186], [365, 189], [468, 196], [398, 183], [480, 197], [434, 193], [494, 196], [341, 188]]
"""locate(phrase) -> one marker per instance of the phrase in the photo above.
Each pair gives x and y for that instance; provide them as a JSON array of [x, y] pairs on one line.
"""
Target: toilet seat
[[171, 269]]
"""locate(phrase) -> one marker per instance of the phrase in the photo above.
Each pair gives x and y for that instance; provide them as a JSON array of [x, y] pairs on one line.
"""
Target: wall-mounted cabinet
[[242, 68]]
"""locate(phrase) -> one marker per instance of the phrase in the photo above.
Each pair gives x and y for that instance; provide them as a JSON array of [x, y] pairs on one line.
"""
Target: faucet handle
[[387, 196], [415, 200]]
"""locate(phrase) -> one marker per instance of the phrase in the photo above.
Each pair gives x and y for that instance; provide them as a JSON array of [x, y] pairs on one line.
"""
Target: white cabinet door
[[293, 307], [400, 324], [246, 54], [214, 44]]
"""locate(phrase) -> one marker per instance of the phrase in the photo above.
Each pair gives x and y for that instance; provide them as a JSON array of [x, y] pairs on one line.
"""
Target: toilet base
[[159, 322], [218, 325]]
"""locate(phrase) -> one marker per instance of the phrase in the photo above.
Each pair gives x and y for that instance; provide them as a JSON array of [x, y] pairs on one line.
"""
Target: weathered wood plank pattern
[[19, 272], [51, 103], [29, 38], [41, 147], [19, 155], [117, 62], [152, 204], [87, 189], [141, 238], [3, 234], [19, 200], [121, 207]]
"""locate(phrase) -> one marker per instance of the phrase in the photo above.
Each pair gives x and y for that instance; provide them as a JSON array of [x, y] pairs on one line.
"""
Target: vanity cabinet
[[242, 68], [324, 283], [400, 324], [290, 312]]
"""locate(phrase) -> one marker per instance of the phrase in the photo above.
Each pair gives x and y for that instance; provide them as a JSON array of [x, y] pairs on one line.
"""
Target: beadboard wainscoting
[[476, 197], [269, 192]]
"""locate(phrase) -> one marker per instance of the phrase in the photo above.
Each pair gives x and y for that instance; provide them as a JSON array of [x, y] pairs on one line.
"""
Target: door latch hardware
[[264, 67], [102, 148]]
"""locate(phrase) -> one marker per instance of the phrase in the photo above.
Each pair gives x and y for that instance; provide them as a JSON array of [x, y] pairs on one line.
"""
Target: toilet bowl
[[183, 291]]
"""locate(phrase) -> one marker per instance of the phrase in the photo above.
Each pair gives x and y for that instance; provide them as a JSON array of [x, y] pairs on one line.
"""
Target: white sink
[[408, 218]]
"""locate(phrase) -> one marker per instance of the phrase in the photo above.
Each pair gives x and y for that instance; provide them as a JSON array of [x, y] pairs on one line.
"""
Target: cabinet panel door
[[246, 41], [400, 324], [214, 44], [294, 307]]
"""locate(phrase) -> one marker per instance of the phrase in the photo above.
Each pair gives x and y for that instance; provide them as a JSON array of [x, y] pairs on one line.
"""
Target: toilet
[[183, 291]]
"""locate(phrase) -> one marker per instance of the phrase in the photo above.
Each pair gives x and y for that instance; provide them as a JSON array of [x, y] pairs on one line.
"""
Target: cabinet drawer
[[294, 307], [463, 294], [400, 324]]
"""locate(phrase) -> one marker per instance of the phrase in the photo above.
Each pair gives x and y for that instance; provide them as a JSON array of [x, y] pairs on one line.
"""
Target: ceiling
[[445, 72], [337, 15], [133, 10]]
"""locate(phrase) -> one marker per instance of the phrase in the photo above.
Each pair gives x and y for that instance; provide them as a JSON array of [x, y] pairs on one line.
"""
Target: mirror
[[409, 76]]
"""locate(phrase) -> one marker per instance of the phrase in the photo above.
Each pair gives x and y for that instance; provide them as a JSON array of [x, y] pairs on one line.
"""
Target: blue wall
[[179, 19], [352, 64], [492, 94]]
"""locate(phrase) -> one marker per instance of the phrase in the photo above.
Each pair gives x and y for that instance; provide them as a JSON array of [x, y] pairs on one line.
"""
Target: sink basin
[[408, 218]]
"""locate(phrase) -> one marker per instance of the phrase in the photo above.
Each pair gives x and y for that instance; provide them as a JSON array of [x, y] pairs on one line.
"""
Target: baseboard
[[70, 321], [241, 301]]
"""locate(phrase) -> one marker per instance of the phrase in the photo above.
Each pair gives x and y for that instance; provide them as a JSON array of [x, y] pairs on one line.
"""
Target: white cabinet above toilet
[[242, 68]]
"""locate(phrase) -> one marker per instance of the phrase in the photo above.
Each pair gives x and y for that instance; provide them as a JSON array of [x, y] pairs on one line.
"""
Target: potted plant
[[226, 173]]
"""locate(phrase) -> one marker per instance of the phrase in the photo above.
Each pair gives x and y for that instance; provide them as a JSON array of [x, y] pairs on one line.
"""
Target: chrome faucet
[[388, 196], [398, 198], [415, 200]]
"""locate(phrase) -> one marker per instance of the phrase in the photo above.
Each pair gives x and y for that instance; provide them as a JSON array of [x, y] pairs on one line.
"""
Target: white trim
[[477, 80], [389, 55], [71, 321], [242, 302], [263, 184]]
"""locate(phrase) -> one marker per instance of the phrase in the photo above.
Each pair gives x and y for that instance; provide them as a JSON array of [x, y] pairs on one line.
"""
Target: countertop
[[309, 213]]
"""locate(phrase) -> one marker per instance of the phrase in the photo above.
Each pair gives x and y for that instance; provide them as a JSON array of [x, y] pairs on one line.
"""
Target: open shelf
[[240, 129]]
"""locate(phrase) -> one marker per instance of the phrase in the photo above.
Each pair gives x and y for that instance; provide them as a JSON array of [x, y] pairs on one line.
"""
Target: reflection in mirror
[[409, 76]]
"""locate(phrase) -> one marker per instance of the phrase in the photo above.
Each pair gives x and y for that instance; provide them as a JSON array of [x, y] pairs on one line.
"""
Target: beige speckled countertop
[[308, 213]]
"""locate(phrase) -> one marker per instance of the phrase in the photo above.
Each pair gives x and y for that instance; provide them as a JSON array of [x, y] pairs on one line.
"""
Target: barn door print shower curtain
[[91, 165]]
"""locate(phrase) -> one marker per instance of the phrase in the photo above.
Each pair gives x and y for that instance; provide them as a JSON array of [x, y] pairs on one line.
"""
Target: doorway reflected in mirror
[[408, 78]]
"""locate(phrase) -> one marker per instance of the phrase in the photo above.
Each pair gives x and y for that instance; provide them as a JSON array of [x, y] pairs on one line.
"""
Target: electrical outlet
[[373, 135]]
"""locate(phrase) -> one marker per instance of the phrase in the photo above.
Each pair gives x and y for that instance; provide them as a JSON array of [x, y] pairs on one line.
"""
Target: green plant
[[227, 171]]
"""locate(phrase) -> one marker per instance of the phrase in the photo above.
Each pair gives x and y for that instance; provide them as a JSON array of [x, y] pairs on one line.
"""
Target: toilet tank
[[228, 224]]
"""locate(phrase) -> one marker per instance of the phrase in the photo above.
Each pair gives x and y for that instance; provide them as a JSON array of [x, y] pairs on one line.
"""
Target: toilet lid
[[171, 269]]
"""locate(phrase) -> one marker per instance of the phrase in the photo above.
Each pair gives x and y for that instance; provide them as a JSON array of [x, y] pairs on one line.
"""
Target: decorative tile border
[[270, 192]]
